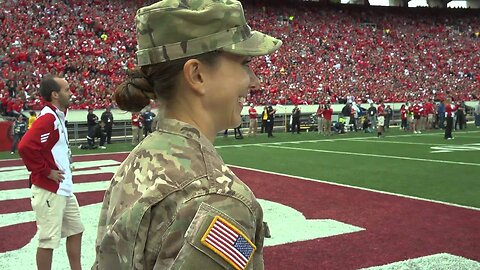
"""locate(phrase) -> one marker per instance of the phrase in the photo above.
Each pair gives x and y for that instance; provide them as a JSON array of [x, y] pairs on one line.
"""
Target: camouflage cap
[[175, 29]]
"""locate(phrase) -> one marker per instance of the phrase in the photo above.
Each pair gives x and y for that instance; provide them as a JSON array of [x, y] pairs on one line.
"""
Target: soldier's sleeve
[[214, 232]]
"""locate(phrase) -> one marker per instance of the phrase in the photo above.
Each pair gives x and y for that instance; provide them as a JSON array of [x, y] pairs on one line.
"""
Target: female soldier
[[173, 204]]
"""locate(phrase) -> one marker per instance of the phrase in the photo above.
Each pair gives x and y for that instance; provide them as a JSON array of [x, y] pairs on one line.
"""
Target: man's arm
[[34, 142]]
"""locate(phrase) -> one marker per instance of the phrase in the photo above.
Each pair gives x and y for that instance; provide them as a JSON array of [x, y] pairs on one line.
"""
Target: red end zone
[[396, 228]]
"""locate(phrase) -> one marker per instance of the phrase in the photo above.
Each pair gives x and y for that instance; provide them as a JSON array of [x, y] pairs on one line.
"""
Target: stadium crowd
[[330, 53]]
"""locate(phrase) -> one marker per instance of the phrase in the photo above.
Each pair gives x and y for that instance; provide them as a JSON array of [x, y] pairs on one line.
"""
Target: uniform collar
[[183, 129]]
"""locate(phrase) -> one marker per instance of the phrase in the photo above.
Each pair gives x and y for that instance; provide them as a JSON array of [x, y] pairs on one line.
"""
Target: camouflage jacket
[[164, 200]]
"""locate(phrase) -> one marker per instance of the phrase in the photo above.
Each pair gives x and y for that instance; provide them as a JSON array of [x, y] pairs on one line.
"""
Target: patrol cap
[[175, 29]]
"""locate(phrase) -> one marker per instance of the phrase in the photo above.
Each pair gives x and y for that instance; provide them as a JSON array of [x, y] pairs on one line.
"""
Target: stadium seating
[[330, 52]]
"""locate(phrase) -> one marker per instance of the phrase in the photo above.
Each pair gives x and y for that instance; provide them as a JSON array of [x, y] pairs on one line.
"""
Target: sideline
[[372, 155], [357, 187], [373, 137]]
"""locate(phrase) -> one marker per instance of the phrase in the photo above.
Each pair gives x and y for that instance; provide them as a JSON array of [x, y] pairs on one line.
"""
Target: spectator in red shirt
[[381, 119], [430, 112], [137, 128], [403, 116], [320, 119], [253, 124], [417, 110], [327, 116]]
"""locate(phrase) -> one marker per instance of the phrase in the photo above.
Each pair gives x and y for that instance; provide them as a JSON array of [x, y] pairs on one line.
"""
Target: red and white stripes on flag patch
[[229, 242]]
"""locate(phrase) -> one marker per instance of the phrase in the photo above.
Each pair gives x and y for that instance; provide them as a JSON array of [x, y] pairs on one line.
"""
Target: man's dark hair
[[47, 86]]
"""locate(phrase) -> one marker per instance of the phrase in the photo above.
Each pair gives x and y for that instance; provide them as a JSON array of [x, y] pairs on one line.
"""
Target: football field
[[351, 201]]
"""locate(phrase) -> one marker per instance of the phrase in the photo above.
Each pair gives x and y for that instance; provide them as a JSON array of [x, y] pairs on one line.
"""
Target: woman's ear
[[195, 74]]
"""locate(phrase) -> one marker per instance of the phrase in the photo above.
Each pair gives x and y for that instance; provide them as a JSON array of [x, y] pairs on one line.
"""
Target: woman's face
[[227, 86]]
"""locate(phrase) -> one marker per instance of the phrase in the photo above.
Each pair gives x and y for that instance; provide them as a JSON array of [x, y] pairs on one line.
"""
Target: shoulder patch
[[229, 242]]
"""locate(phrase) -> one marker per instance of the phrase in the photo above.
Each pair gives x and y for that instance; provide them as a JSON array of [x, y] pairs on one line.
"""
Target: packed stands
[[337, 53]]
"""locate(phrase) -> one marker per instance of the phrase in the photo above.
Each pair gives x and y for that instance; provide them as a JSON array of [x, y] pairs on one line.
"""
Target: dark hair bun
[[135, 93]]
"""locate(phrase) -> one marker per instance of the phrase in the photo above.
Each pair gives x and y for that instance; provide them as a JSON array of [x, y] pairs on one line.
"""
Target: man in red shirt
[[417, 110], [430, 112], [44, 150], [327, 119], [320, 119], [137, 128], [252, 114]]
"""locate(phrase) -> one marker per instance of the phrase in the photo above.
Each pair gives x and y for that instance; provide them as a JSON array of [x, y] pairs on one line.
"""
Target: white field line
[[286, 142], [373, 137], [356, 187], [25, 193], [466, 136], [398, 142], [372, 155]]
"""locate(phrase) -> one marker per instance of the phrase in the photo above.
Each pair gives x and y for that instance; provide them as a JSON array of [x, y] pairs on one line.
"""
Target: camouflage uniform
[[173, 189], [163, 198]]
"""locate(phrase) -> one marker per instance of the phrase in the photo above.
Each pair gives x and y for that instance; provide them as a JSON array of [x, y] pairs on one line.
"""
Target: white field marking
[[356, 187], [398, 142], [275, 213], [466, 136], [372, 155], [335, 139], [274, 143], [290, 142], [440, 261], [16, 173], [281, 219], [12, 168], [455, 148], [24, 193]]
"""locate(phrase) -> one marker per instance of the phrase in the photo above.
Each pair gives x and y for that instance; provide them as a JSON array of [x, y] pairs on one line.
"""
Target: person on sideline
[[148, 117], [449, 112], [270, 121], [44, 150], [31, 119], [253, 124], [107, 119], [296, 113], [381, 119], [264, 120], [477, 114], [137, 128], [98, 132], [92, 120], [327, 119], [19, 128], [173, 195], [320, 119]]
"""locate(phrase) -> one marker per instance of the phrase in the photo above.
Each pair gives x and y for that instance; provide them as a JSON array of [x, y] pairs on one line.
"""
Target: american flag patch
[[229, 243]]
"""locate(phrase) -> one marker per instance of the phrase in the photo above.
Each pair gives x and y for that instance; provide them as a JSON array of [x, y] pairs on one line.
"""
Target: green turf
[[399, 163]]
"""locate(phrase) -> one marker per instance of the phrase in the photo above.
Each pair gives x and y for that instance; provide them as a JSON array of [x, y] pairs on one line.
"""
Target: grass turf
[[399, 163]]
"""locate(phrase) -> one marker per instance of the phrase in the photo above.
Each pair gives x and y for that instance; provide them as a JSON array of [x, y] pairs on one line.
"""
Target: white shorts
[[381, 121], [57, 217]]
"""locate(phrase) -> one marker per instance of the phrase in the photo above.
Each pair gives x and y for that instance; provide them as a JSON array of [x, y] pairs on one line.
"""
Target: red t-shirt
[[327, 114], [381, 110], [252, 113], [416, 109], [403, 113], [449, 109]]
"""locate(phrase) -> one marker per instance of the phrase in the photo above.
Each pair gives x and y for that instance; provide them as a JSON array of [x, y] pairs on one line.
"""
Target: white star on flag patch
[[229, 243]]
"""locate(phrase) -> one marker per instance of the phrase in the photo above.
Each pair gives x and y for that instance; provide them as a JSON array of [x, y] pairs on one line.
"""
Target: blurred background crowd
[[334, 53]]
